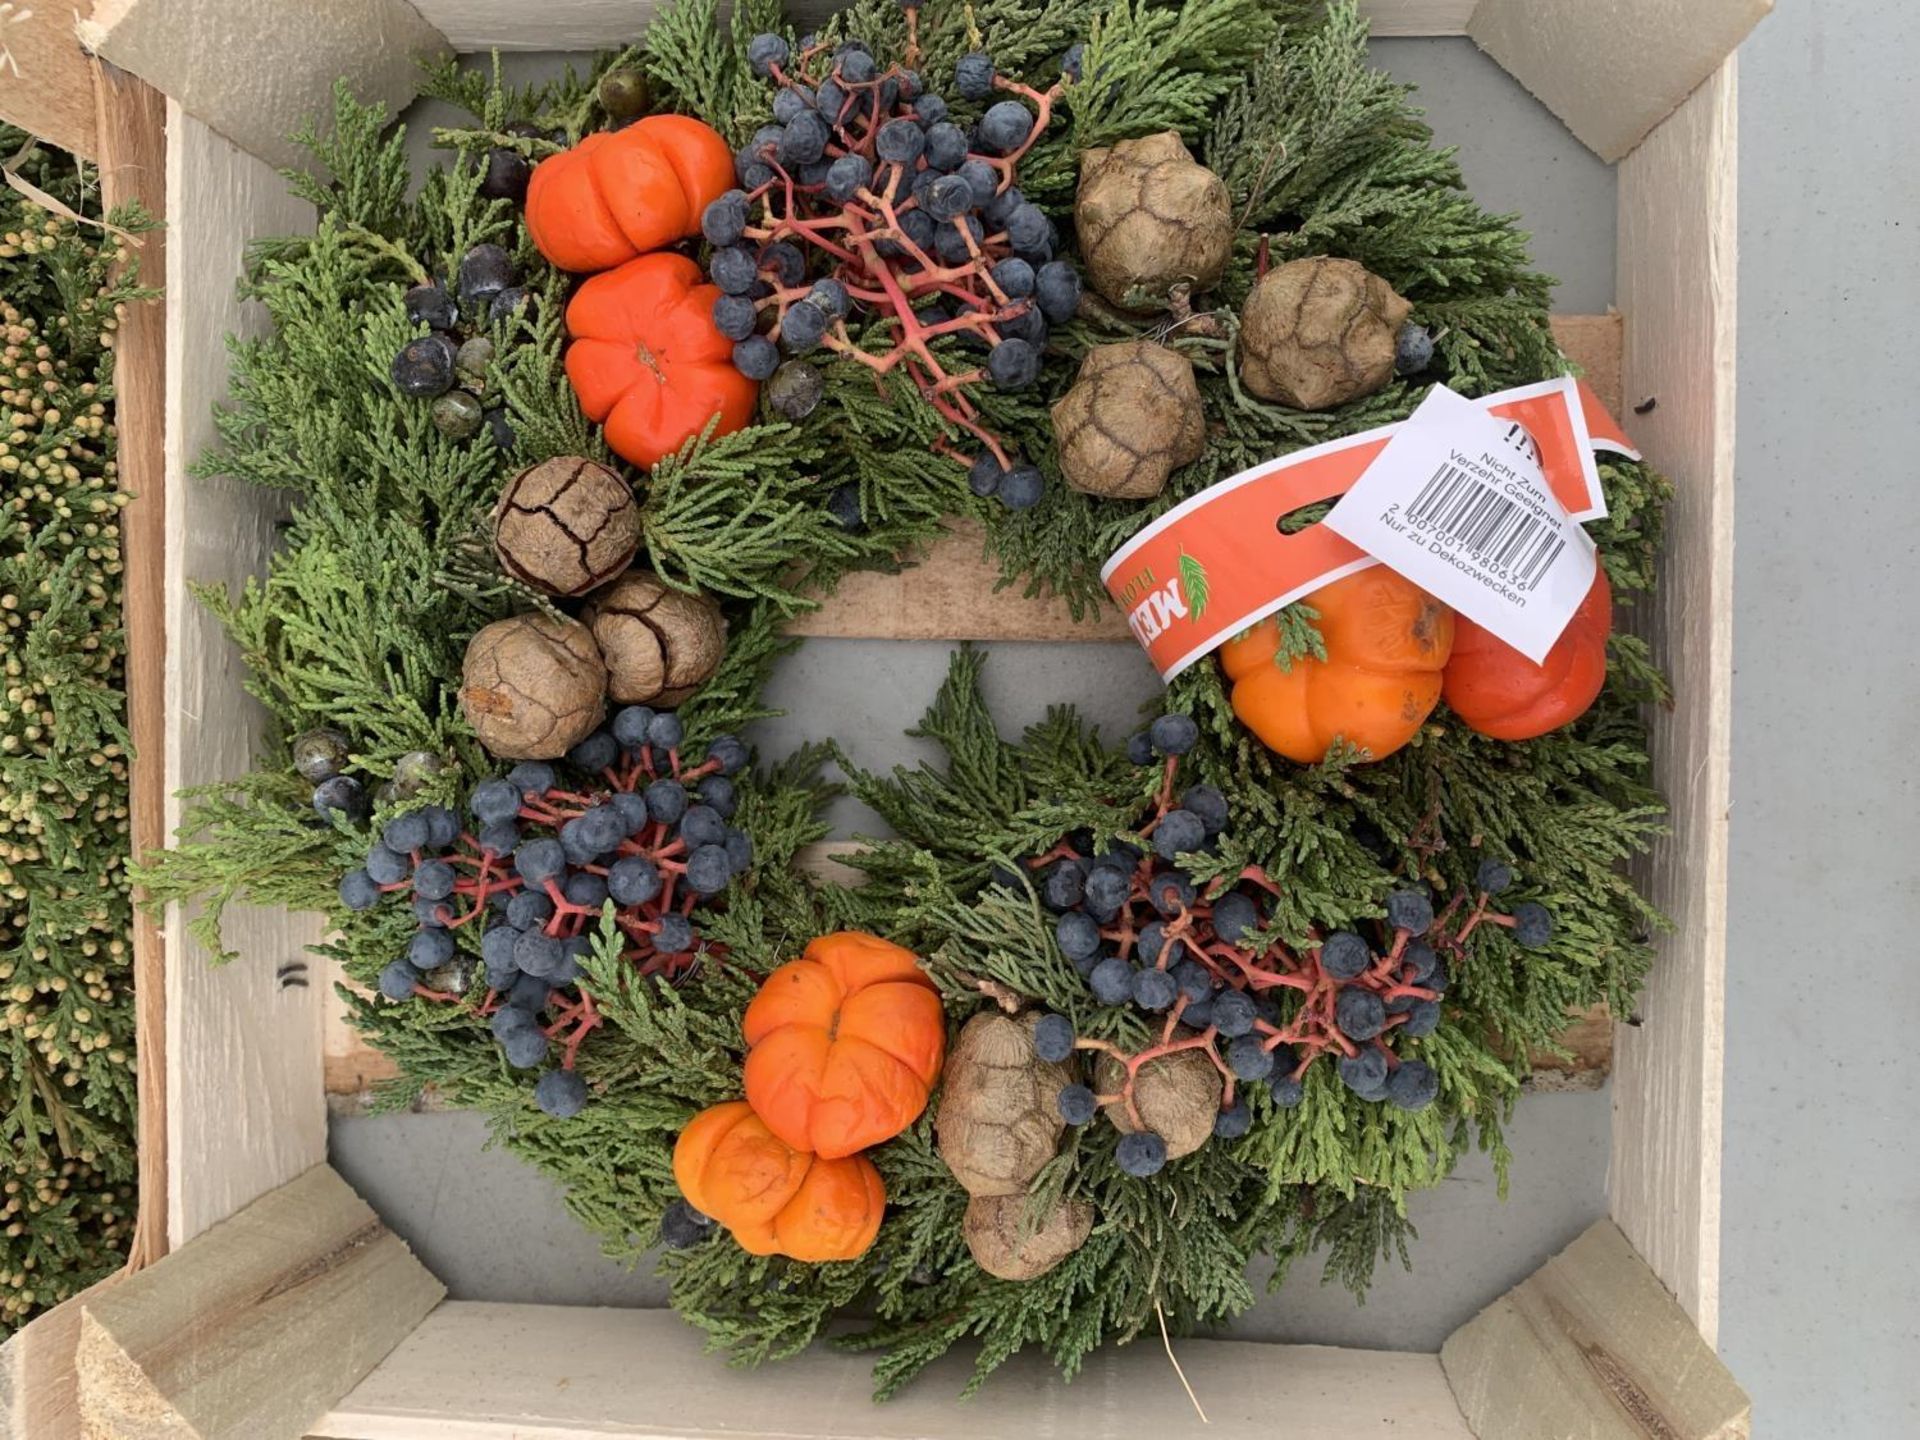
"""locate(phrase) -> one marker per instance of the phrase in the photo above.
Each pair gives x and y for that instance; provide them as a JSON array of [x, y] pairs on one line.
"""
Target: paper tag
[[1458, 503]]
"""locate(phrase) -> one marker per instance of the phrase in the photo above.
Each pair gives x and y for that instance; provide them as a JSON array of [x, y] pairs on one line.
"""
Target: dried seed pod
[[566, 525], [660, 644], [1132, 418], [998, 1122], [1317, 333], [1149, 217], [1178, 1095], [533, 687], [993, 1225]]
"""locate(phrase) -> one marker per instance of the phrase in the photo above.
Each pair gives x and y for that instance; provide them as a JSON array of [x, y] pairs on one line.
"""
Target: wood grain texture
[[253, 1329], [579, 1373], [39, 1381], [1591, 1345], [245, 1112], [1676, 287], [256, 71], [46, 82], [133, 167], [1612, 69], [593, 24]]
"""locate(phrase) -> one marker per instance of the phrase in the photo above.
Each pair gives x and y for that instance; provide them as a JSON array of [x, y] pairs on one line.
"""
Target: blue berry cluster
[[533, 866], [446, 368]]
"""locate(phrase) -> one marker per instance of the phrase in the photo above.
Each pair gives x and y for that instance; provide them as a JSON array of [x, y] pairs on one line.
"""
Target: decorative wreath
[[576, 424]]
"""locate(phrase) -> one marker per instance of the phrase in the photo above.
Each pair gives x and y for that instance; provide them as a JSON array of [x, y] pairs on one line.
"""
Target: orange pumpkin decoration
[[776, 1200], [1496, 690], [1387, 641], [623, 193], [844, 1045], [646, 361]]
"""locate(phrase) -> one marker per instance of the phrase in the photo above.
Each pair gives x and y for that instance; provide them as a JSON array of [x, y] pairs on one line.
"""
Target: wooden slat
[[46, 84], [39, 1384], [1676, 287], [1591, 1345], [133, 167], [1612, 71], [245, 1111], [503, 1372], [1391, 18], [253, 1329], [255, 70]]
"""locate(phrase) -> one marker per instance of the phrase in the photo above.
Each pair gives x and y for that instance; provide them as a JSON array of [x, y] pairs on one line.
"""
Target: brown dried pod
[[533, 687], [993, 1226], [1132, 418], [1319, 332], [998, 1122], [1178, 1095], [566, 525], [1149, 217], [660, 644]]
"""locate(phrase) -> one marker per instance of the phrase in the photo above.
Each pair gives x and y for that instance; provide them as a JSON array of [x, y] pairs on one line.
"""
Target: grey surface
[[1820, 1254], [493, 1229]]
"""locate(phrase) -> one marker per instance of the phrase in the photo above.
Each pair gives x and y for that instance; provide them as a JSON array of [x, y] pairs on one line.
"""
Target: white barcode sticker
[[1458, 504]]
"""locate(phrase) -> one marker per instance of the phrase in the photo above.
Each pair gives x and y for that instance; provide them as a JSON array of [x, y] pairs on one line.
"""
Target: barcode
[[1495, 529]]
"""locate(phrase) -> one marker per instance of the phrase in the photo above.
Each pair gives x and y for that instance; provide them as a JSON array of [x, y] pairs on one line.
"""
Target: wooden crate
[[286, 1308]]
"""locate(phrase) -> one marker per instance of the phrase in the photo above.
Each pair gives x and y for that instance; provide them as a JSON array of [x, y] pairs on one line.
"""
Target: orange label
[[1218, 561]]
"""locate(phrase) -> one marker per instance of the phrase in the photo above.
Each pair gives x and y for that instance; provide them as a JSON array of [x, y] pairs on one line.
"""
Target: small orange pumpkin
[[776, 1200], [646, 361], [1387, 642], [1496, 690], [844, 1044], [623, 193]]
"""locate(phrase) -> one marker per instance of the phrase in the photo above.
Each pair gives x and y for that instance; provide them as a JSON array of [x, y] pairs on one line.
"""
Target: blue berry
[[756, 357], [802, 328], [536, 953], [406, 833], [1141, 1154], [1437, 981], [633, 880], [1419, 958], [434, 880], [729, 752], [831, 99], [1365, 1073], [586, 889], [1178, 833], [1532, 925], [1492, 876], [1209, 804], [682, 1227], [946, 147], [1015, 277], [739, 847], [1410, 910], [930, 110], [717, 794], [504, 304], [1063, 888], [431, 306], [430, 913], [531, 778], [429, 949], [803, 139], [1073, 60], [1199, 1013], [1077, 1104], [675, 935], [443, 826], [493, 801], [524, 1048], [1413, 350], [387, 867], [341, 795], [1174, 734], [397, 981], [1170, 892], [423, 367], [1423, 1018], [735, 316], [849, 175], [973, 77], [1413, 1085], [1249, 1059], [1234, 1014], [1234, 917], [1013, 365], [561, 1093], [999, 210], [709, 871], [1140, 748], [1112, 981], [530, 994], [1151, 940], [1360, 1014], [899, 142], [1005, 126], [508, 1019], [1077, 935], [984, 475], [529, 910], [1028, 228], [1106, 886], [1233, 1122], [947, 198], [666, 801], [765, 51], [733, 269], [598, 751], [1194, 979], [1053, 1038], [789, 101], [630, 726], [539, 861], [1344, 955], [496, 946], [1022, 487], [485, 271], [1154, 990], [856, 67], [358, 891], [702, 825], [843, 503], [1286, 1091]]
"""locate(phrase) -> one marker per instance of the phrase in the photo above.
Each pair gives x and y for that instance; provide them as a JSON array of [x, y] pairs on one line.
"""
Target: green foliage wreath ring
[[360, 623]]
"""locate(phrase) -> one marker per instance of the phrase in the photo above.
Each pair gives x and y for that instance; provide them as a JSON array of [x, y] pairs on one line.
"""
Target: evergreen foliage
[[66, 1030], [362, 616]]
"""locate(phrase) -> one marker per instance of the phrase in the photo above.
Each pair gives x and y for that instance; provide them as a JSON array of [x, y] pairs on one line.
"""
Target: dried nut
[[1150, 217], [1320, 332], [660, 644], [533, 687], [566, 525], [998, 1122], [1132, 418], [993, 1225], [1178, 1095]]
